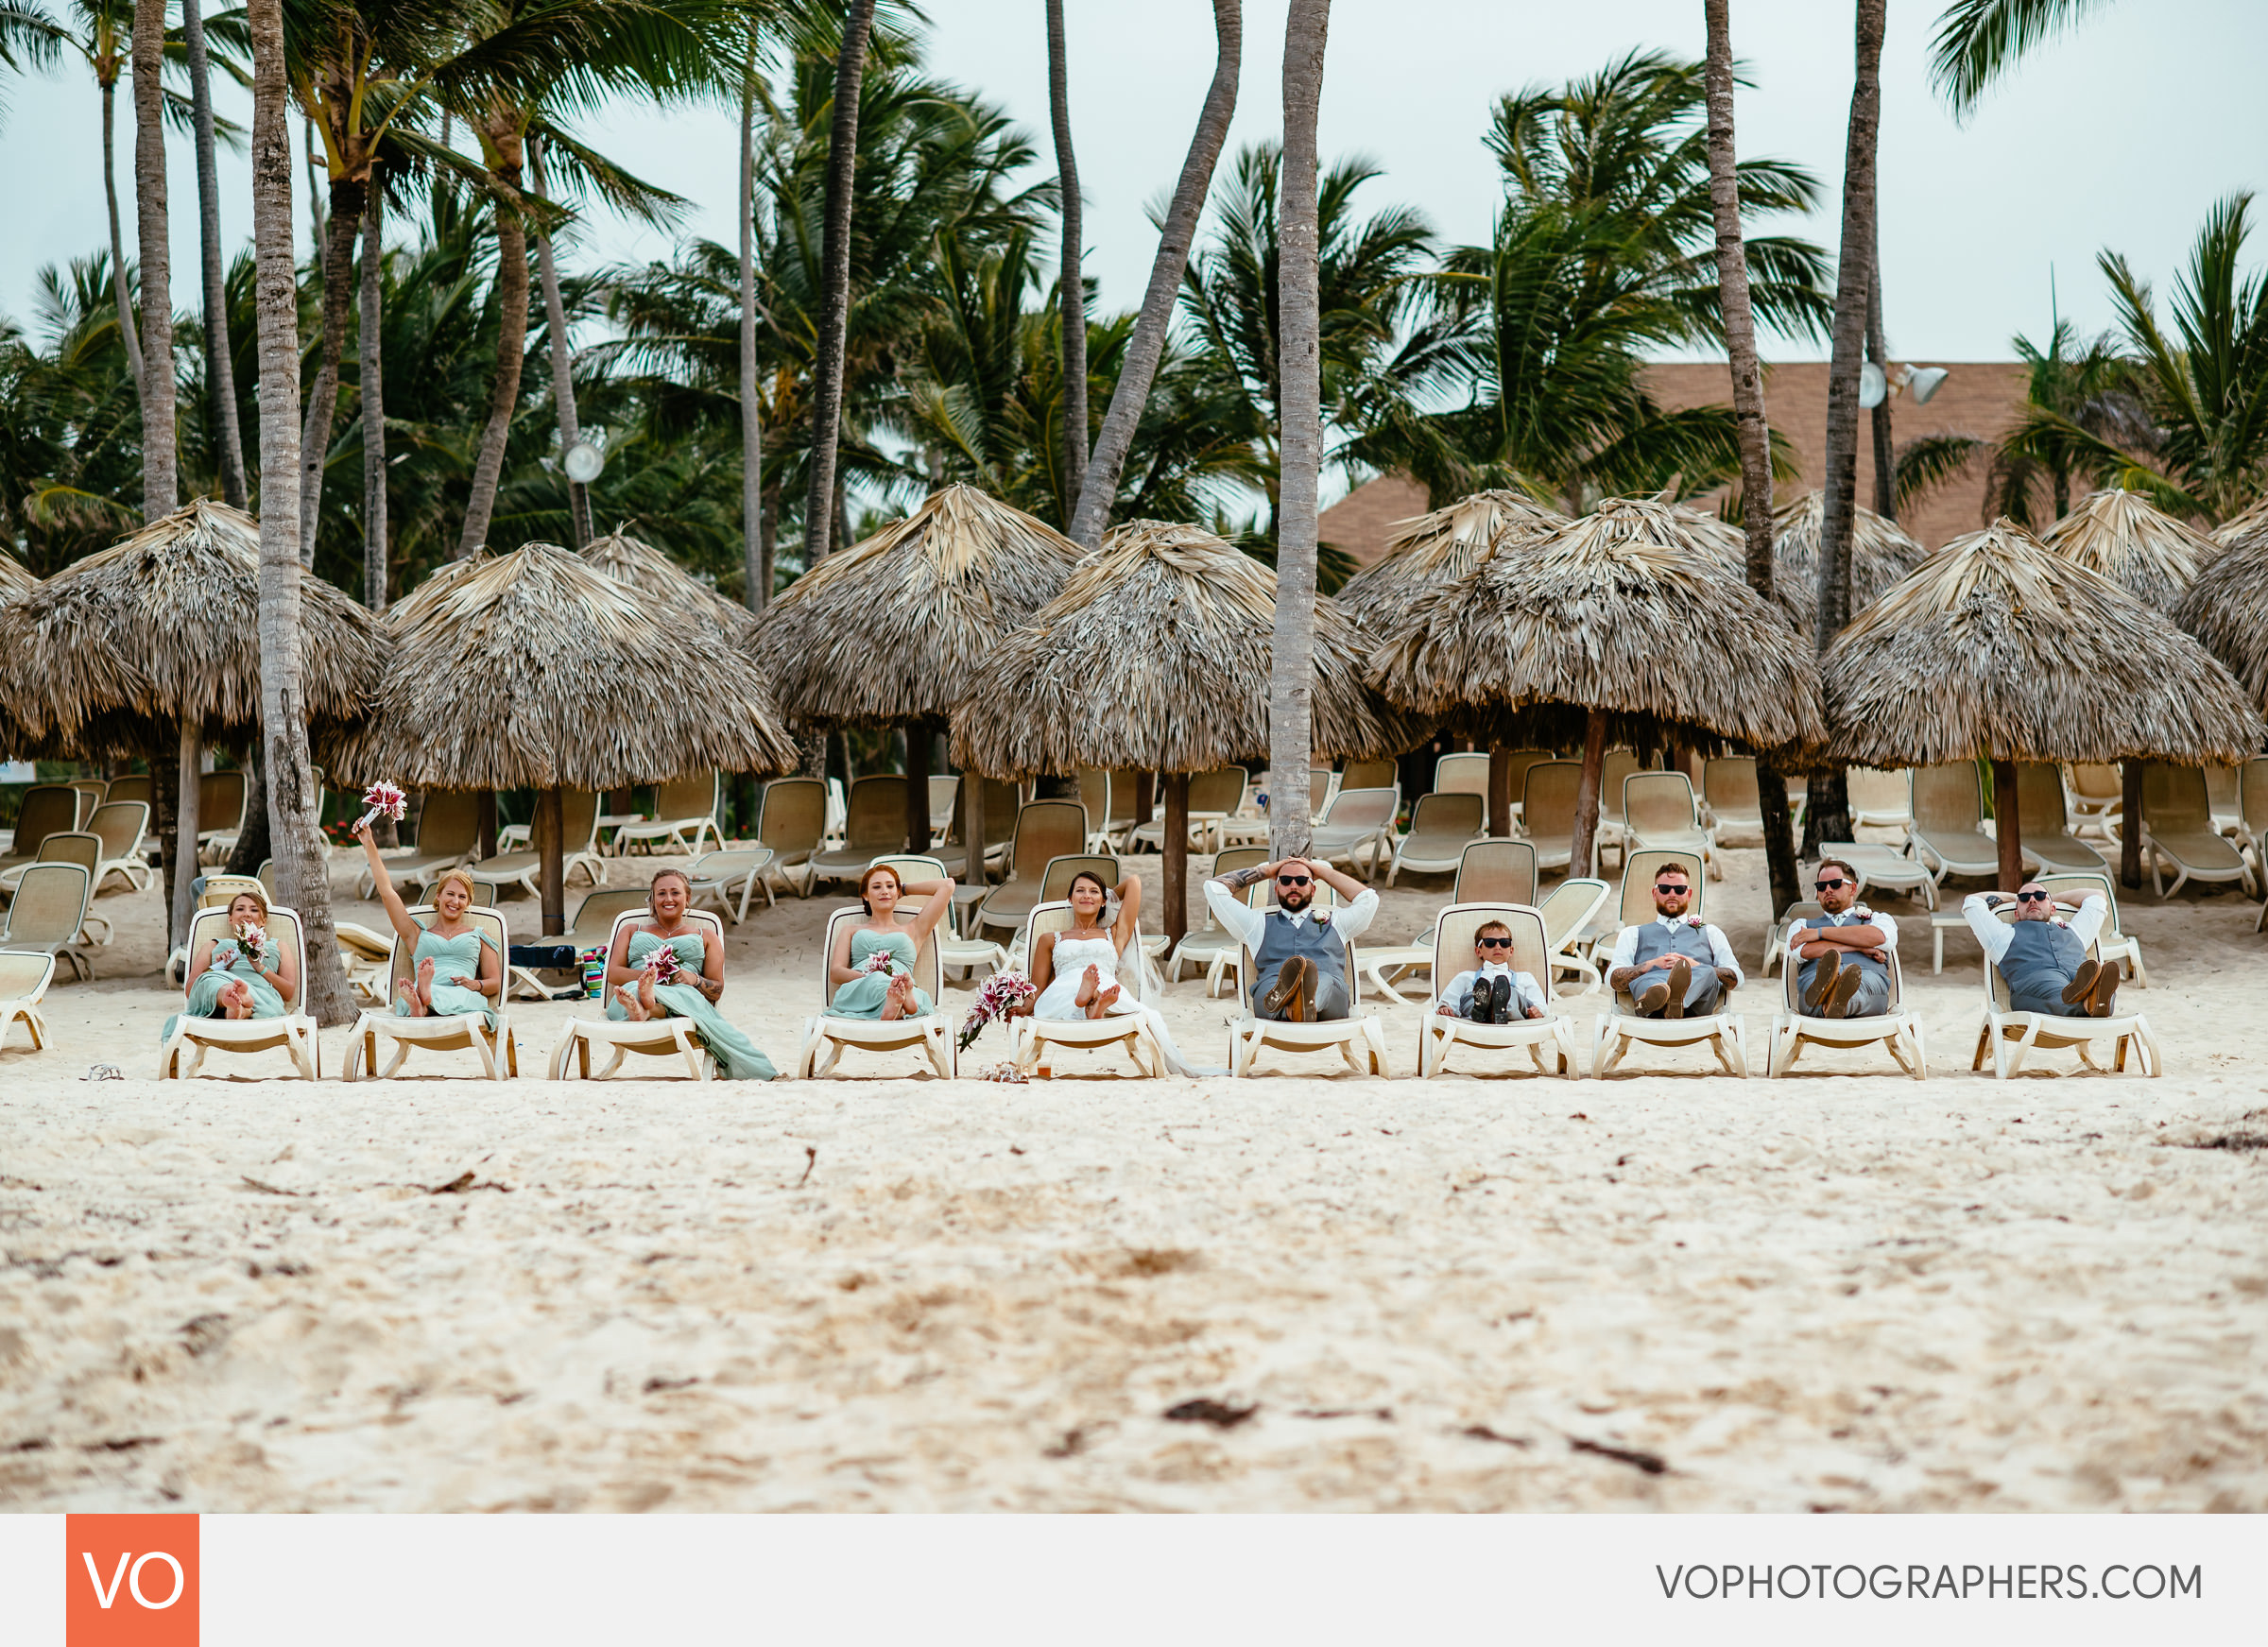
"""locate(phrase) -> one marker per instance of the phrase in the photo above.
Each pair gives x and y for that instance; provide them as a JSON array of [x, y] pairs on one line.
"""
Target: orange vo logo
[[131, 1581]]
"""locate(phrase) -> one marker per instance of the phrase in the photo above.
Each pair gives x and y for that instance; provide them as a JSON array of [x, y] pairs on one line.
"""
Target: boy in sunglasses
[[1299, 951], [2042, 957], [1675, 965], [1841, 958], [1492, 992]]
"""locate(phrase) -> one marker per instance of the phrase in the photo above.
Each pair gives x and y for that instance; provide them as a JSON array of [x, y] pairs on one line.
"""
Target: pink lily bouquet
[[383, 799], [252, 938], [1002, 994], [665, 964], [881, 961]]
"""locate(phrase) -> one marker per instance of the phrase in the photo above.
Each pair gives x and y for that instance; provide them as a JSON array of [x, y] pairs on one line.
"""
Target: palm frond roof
[[1442, 546], [2146, 552], [653, 575]]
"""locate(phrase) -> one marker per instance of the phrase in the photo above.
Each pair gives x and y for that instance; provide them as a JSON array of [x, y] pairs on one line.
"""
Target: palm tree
[[1979, 40], [1071, 286], [160, 484], [303, 878], [221, 378], [834, 291], [2082, 421], [755, 546], [1098, 489], [1747, 409]]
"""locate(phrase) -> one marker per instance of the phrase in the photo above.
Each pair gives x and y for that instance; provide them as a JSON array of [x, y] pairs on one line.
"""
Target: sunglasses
[[1293, 880], [1830, 885], [1492, 943], [1666, 888], [2031, 898]]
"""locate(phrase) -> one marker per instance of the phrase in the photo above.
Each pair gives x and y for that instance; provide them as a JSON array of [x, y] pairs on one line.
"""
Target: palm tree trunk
[[1582, 850], [1173, 919], [220, 368], [562, 367], [1826, 813], [1747, 410], [127, 334], [834, 297], [511, 351], [1098, 492], [1299, 447], [189, 757], [369, 354], [548, 828], [919, 735], [302, 877], [1877, 350], [159, 482], [755, 551], [2008, 825], [2130, 827], [340, 234], [1072, 282]]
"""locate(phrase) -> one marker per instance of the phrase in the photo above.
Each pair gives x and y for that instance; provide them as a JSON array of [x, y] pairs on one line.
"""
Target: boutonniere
[[1322, 916], [1865, 915], [1693, 920]]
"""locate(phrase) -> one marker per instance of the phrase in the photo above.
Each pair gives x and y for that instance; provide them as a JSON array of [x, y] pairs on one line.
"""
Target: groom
[[1299, 950]]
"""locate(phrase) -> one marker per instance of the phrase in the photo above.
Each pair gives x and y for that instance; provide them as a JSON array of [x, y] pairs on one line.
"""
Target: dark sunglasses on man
[[1834, 886], [1293, 880], [2032, 897], [1666, 888]]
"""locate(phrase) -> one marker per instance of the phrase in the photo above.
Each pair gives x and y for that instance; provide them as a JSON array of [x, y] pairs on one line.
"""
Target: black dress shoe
[[1481, 1006], [1500, 1001]]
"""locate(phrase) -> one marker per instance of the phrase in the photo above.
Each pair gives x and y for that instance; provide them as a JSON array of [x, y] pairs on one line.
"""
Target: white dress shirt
[[1995, 934], [1881, 923], [1527, 992], [1246, 924], [1720, 952]]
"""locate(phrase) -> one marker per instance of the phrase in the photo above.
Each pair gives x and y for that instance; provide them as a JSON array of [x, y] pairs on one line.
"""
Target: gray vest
[[1868, 966], [1281, 940], [1690, 941], [2042, 957]]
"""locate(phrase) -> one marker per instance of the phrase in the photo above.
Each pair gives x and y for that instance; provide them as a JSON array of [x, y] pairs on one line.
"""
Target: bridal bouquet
[[883, 961], [252, 938], [383, 799], [1003, 992], [664, 963]]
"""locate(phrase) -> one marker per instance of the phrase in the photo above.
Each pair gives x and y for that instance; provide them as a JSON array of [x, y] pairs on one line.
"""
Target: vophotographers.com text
[[2023, 1581]]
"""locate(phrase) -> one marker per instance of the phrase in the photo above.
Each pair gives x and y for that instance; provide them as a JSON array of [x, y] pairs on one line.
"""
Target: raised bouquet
[[1002, 994], [383, 800], [252, 938], [664, 963]]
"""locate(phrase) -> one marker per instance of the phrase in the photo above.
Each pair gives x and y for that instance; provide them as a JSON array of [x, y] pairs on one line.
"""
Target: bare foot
[[1090, 981], [407, 993], [237, 1001], [426, 986], [645, 994], [899, 1001], [1100, 1007], [636, 1008]]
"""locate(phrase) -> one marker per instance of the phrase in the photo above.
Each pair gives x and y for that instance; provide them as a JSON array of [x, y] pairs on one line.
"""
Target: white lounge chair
[[579, 815], [1621, 1025], [1213, 797], [2094, 797], [84, 848], [1437, 1033], [791, 822], [448, 836], [2113, 943], [44, 809], [1358, 830], [295, 1032], [1211, 946], [499, 1053], [874, 826], [49, 912], [690, 802], [121, 825], [719, 873], [1879, 800], [2009, 1035], [1045, 831], [221, 798], [1462, 774], [2044, 829], [1442, 825], [1249, 1032], [826, 1037], [1035, 1038], [1896, 1027], [1660, 813], [2177, 829], [959, 955], [1488, 871], [666, 1036], [1567, 911], [1947, 803], [944, 799], [1547, 810], [25, 976], [1614, 830], [1878, 864]]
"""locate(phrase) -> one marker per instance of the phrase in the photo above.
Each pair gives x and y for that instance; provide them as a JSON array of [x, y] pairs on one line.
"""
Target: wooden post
[[2130, 824], [1175, 916], [916, 785], [184, 824], [972, 823], [2007, 826], [1587, 795], [488, 823], [1500, 791], [1145, 796], [549, 829]]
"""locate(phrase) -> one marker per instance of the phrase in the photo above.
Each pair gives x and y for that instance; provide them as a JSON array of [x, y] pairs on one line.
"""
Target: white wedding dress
[[1060, 1000]]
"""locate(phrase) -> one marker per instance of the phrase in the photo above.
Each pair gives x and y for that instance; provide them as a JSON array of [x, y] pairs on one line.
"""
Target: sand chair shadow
[[1439, 1033], [499, 1053], [295, 1032]]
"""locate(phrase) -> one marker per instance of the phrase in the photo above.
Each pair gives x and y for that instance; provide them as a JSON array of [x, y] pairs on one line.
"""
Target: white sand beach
[[1842, 1290]]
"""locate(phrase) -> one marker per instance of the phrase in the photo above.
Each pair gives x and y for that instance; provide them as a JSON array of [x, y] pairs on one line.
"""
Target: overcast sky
[[2120, 135]]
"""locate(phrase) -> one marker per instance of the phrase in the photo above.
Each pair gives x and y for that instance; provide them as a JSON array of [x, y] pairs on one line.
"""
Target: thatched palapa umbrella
[[666, 584], [534, 671], [1881, 553], [1622, 616], [2242, 526], [1443, 547], [1155, 657], [152, 647], [1999, 648], [2226, 609], [2154, 557], [894, 629]]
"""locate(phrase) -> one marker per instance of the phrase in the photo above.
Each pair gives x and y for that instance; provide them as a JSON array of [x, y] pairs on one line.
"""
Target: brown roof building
[[1979, 398]]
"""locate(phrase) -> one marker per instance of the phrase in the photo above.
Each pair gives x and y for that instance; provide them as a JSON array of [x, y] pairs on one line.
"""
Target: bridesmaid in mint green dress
[[862, 992], [228, 978], [638, 993], [458, 971]]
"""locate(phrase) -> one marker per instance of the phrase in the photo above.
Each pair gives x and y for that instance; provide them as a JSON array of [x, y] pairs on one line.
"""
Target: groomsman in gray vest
[[1675, 965], [1843, 957], [1299, 951], [2042, 957]]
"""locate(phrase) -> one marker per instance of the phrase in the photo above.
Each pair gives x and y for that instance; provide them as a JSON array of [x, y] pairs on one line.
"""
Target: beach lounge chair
[[791, 821], [689, 802], [1003, 801], [1566, 912], [1801, 912], [2177, 829], [1729, 800], [1442, 825], [838, 811], [1895, 1028], [499, 1053], [591, 926], [49, 912], [1370, 775], [221, 798], [2009, 1035], [1613, 831], [1621, 1027], [1035, 1038], [1949, 821], [944, 799], [1453, 950], [1045, 831], [2094, 797], [719, 874], [221, 890], [1547, 810], [84, 848], [2252, 814], [1210, 946], [2113, 943], [1879, 799], [826, 1037], [45, 810], [93, 792], [1249, 1032], [2048, 843], [1491, 870], [1879, 864], [1518, 762], [2221, 793], [120, 826], [1634, 898], [25, 976], [873, 826], [959, 955], [1462, 774], [578, 813], [1358, 830], [133, 786], [1214, 797], [665, 1036], [184, 1054], [448, 835], [1661, 815], [1109, 797]]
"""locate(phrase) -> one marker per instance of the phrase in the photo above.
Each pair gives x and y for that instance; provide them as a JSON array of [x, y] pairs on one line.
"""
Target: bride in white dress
[[1077, 968]]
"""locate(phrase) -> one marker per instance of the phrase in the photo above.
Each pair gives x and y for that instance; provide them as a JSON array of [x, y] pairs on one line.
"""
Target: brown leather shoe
[[1822, 981], [1841, 993], [1681, 979], [2106, 991], [1654, 1000], [1290, 991], [2082, 983]]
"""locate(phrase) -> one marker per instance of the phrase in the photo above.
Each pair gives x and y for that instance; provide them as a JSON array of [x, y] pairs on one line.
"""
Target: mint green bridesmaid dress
[[864, 995], [457, 957], [737, 1056], [204, 995]]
